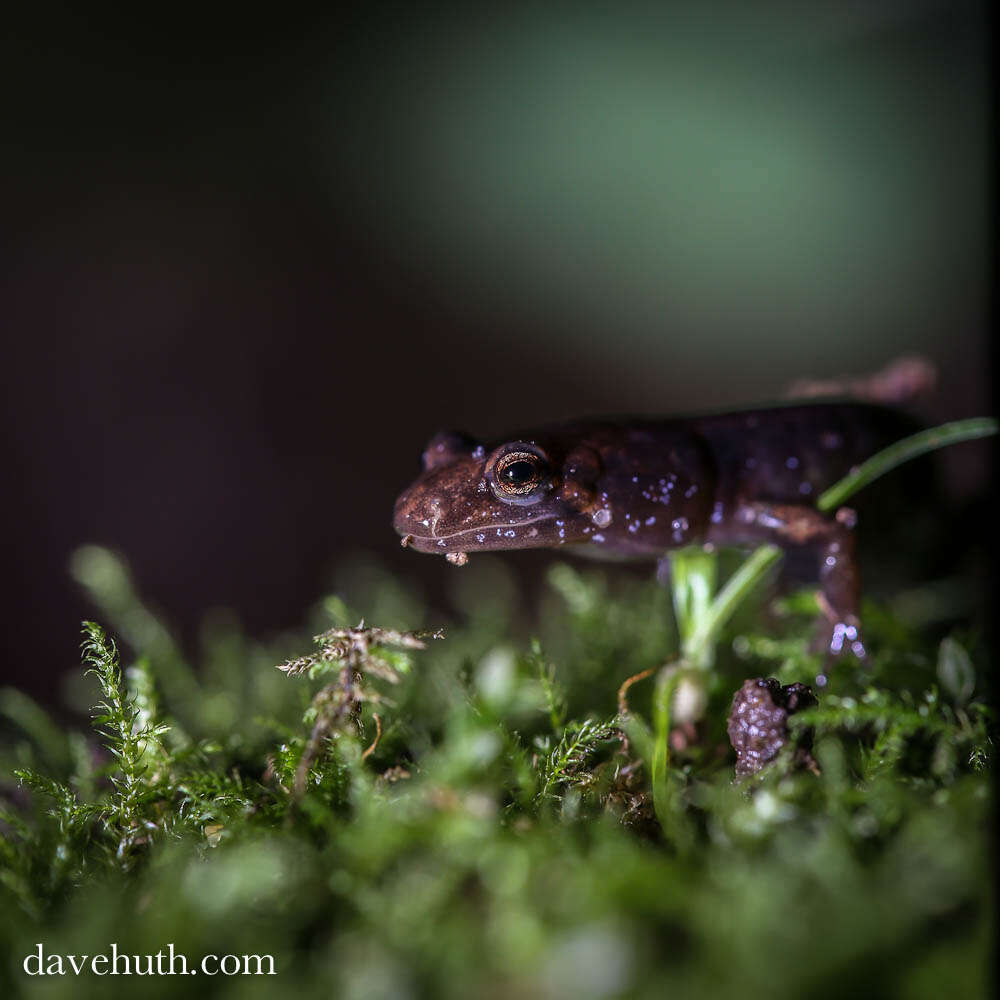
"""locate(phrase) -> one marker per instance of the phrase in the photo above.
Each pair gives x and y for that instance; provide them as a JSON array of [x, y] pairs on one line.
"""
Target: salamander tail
[[901, 380]]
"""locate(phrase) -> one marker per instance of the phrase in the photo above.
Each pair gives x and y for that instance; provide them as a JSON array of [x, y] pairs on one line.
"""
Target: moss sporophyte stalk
[[485, 808]]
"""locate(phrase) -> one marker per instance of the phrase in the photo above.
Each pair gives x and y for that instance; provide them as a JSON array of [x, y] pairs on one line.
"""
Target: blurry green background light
[[669, 181]]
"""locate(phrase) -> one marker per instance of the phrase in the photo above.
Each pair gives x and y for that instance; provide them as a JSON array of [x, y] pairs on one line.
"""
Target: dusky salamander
[[638, 488]]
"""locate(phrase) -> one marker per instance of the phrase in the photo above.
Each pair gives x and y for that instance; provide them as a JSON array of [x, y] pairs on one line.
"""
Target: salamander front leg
[[791, 525]]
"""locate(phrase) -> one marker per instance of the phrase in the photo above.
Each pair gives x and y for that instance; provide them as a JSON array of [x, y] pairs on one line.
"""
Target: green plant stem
[[666, 683], [738, 586], [694, 573], [667, 785]]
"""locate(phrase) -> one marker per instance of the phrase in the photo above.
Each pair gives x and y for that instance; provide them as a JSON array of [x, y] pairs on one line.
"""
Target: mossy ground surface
[[502, 837]]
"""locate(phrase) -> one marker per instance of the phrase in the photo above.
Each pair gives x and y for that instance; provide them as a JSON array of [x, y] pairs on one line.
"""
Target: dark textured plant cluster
[[502, 811]]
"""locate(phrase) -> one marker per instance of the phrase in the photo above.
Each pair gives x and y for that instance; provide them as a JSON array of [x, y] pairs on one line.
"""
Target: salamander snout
[[470, 499]]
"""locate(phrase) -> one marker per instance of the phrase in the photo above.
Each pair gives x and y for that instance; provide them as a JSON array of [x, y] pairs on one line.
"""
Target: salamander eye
[[518, 474]]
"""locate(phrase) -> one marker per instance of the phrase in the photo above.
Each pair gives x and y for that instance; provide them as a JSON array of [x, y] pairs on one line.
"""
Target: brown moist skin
[[637, 488], [758, 723]]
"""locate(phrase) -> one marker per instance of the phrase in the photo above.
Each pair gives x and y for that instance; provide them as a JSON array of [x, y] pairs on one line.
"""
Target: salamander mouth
[[522, 535]]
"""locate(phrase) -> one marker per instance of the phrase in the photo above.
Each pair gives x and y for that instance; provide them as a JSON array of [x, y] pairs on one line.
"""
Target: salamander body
[[638, 488]]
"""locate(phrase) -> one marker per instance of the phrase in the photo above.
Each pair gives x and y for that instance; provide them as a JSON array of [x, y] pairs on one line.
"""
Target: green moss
[[502, 828]]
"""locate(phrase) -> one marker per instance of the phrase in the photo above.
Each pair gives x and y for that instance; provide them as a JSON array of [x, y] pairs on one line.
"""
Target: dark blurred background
[[251, 262]]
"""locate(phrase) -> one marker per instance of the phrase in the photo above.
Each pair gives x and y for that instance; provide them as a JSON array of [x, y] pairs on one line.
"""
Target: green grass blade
[[903, 451]]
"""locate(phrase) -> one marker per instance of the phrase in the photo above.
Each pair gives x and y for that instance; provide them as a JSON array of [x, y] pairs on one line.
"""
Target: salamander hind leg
[[794, 525], [840, 589]]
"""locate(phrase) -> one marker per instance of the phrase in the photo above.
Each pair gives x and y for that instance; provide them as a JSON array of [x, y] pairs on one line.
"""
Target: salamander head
[[524, 493]]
